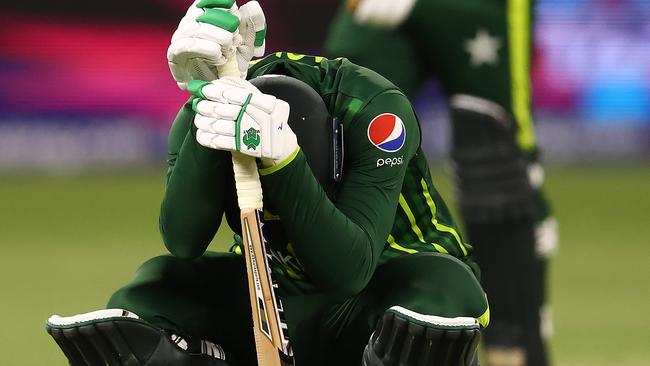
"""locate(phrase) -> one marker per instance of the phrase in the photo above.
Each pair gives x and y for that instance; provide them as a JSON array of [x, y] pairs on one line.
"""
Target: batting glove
[[381, 13], [211, 33], [233, 115]]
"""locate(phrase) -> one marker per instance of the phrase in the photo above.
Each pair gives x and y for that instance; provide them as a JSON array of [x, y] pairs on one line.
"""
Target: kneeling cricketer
[[368, 267]]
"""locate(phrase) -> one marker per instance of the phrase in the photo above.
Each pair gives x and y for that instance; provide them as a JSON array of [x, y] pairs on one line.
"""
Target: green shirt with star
[[386, 205]]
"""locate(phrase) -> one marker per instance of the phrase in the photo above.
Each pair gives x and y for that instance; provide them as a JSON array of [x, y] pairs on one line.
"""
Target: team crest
[[387, 132], [251, 138]]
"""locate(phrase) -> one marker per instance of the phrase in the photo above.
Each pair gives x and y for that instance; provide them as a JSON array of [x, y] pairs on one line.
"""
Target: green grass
[[68, 242], [600, 277]]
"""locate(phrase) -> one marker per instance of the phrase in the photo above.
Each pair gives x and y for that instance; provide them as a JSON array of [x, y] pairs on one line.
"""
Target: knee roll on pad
[[491, 169], [406, 338]]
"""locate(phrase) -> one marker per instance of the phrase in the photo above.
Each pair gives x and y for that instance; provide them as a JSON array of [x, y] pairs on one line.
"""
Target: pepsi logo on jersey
[[391, 162], [387, 132]]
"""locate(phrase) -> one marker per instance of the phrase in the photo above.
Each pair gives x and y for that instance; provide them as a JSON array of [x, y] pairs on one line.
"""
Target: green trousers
[[207, 298]]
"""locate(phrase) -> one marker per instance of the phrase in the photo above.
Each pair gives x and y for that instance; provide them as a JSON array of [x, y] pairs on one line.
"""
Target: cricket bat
[[352, 5], [269, 327]]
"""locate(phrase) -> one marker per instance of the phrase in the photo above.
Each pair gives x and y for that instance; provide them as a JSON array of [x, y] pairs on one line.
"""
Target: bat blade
[[270, 340]]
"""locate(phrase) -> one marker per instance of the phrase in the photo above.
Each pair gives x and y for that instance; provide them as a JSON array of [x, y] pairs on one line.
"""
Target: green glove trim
[[219, 18], [259, 37], [195, 101], [195, 87], [282, 164], [238, 122], [226, 4]]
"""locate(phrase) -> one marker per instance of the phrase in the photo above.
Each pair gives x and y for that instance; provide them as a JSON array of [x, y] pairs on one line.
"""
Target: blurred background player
[[479, 51]]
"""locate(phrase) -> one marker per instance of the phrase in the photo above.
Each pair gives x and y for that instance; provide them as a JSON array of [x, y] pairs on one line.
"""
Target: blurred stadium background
[[86, 101]]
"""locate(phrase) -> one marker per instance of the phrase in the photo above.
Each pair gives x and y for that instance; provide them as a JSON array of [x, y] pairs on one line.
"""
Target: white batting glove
[[382, 13], [253, 35], [233, 115], [212, 32]]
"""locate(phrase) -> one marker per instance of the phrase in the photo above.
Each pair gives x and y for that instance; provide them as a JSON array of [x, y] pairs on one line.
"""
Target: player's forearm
[[194, 200], [336, 252]]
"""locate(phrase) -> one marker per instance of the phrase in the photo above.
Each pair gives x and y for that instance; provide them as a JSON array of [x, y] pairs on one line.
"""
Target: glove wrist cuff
[[270, 166]]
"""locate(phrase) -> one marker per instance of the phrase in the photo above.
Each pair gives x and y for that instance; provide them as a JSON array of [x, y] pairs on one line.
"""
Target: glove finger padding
[[217, 126], [205, 38], [252, 30], [217, 110], [216, 141], [226, 90], [233, 115], [383, 13], [194, 58], [204, 31]]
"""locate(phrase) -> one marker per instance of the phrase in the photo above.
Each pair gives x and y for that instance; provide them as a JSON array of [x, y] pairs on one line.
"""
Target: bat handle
[[247, 179], [352, 5], [230, 68]]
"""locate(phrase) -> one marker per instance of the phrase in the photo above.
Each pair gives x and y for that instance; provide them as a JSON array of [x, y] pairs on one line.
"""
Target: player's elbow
[[181, 245], [352, 280], [183, 251], [340, 286], [354, 286], [355, 266]]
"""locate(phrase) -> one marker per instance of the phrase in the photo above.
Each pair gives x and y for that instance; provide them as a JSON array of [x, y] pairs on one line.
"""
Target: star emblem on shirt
[[483, 48]]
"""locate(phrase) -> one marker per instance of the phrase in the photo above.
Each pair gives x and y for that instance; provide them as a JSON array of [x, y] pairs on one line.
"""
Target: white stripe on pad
[[460, 321], [93, 315]]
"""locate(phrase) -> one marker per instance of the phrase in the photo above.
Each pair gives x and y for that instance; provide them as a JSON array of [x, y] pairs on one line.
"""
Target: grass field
[[67, 242]]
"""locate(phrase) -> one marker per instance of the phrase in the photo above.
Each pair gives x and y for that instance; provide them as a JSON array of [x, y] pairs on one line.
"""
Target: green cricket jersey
[[386, 205], [480, 48]]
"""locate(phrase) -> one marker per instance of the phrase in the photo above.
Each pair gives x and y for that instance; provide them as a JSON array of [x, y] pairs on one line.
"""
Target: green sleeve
[[198, 181], [344, 86], [339, 243]]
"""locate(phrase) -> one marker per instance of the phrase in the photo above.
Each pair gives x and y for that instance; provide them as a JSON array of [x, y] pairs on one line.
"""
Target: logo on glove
[[251, 138]]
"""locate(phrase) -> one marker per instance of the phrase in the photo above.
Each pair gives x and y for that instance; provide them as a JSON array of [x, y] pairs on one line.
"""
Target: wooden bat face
[[270, 329]]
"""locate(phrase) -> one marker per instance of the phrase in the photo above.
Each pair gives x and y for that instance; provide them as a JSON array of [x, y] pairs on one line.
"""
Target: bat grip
[[247, 179], [230, 68]]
